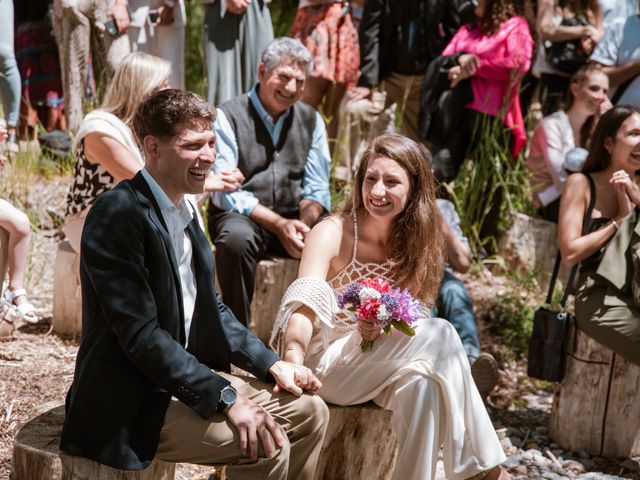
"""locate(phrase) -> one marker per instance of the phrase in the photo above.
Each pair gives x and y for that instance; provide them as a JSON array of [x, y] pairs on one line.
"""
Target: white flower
[[368, 292], [383, 314]]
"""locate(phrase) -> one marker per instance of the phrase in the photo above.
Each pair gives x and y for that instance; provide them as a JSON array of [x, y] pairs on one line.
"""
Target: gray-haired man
[[280, 146]]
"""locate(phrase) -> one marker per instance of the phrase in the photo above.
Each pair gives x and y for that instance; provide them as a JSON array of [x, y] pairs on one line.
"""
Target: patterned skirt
[[329, 34]]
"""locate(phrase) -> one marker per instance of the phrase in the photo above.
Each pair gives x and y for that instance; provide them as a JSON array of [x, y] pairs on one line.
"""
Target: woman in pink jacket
[[494, 54]]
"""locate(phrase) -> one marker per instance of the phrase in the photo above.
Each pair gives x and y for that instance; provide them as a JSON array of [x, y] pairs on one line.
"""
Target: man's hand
[[293, 378], [291, 233], [120, 14], [224, 181], [165, 15], [237, 7], [252, 421]]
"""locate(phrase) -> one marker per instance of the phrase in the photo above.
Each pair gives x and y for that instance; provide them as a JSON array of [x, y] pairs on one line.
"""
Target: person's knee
[[453, 290], [313, 408], [235, 240]]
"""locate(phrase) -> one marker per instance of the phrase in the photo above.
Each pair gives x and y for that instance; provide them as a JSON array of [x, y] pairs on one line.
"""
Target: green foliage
[[511, 317], [282, 14]]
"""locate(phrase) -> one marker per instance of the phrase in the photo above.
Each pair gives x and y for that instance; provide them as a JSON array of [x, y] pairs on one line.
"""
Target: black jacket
[[132, 357], [383, 28]]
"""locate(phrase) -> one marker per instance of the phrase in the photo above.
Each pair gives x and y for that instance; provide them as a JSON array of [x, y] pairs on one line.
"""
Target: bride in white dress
[[391, 228]]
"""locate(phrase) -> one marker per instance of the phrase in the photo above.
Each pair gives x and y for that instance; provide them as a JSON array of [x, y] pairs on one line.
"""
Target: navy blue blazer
[[132, 355]]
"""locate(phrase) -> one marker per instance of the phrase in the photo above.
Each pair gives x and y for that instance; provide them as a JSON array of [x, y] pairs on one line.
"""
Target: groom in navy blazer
[[156, 341]]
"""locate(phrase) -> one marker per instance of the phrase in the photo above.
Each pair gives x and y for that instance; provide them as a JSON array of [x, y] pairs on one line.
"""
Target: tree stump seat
[[36, 455], [596, 408], [273, 277], [359, 444], [67, 303]]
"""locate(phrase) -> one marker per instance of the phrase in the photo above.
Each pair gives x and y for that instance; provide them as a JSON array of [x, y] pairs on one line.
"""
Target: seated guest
[[280, 146], [619, 54], [454, 304], [562, 131], [607, 302], [150, 377]]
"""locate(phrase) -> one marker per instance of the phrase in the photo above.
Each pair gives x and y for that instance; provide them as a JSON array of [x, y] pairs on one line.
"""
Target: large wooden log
[[273, 277], [67, 303], [359, 444], [36, 456], [531, 245], [596, 408]]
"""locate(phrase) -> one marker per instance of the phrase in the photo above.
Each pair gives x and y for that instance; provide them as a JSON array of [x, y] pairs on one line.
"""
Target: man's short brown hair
[[161, 112]]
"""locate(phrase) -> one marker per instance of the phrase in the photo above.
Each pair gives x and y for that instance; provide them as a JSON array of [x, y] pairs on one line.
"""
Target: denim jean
[[455, 306], [10, 86]]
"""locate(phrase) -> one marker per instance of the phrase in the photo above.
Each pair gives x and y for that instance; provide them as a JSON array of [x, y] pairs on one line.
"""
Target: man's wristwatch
[[228, 397]]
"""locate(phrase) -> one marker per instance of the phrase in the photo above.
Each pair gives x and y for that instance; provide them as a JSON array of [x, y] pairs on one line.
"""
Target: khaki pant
[[394, 107], [187, 437]]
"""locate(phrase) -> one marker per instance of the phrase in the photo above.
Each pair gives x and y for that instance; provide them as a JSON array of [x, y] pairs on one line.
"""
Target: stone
[[36, 455]]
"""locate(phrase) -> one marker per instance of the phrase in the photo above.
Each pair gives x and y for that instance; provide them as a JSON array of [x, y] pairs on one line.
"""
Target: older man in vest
[[278, 145]]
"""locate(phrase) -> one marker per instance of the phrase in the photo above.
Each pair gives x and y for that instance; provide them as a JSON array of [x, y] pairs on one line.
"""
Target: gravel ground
[[37, 367]]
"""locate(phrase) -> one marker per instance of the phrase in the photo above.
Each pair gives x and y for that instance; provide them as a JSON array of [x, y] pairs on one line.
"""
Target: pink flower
[[368, 311], [377, 283]]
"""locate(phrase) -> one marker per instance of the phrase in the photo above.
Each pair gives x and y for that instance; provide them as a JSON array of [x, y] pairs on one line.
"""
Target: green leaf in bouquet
[[403, 327]]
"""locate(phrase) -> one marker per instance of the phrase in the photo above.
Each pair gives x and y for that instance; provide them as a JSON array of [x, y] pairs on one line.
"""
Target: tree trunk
[[36, 456], [67, 302], [596, 408]]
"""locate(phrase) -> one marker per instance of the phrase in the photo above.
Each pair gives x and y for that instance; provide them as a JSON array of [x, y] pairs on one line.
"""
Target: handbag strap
[[586, 225]]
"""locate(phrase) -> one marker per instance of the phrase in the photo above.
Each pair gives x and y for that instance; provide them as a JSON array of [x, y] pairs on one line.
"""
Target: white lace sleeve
[[313, 293]]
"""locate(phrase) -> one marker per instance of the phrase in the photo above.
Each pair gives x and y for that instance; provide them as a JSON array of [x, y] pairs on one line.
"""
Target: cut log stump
[[359, 444], [531, 245], [596, 408], [36, 456], [67, 303], [273, 277]]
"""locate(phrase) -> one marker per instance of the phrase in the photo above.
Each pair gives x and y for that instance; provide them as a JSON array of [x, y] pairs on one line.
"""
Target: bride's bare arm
[[321, 247]]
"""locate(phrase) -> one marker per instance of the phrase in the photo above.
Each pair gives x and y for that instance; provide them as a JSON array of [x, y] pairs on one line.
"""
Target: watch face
[[228, 395]]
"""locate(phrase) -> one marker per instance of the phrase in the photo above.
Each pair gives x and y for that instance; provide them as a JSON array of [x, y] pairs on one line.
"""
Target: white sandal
[[24, 309]]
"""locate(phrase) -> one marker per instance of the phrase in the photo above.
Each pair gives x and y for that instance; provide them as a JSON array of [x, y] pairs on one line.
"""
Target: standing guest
[[158, 28], [39, 64], [390, 230], [619, 55], [494, 53], [9, 76], [235, 34], [454, 304], [396, 45], [17, 234], [77, 25], [560, 133], [326, 28], [607, 303], [554, 82], [280, 146], [151, 375]]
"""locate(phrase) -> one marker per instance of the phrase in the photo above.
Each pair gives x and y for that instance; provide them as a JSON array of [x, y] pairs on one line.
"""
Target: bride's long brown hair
[[416, 247]]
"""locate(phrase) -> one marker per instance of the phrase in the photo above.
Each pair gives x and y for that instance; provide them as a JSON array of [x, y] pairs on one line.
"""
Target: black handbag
[[568, 56], [548, 345]]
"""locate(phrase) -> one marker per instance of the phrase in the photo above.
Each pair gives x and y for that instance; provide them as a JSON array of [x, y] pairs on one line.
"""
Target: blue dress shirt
[[315, 184]]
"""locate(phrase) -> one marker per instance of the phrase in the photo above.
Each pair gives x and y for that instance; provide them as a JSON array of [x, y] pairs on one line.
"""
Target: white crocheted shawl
[[314, 293]]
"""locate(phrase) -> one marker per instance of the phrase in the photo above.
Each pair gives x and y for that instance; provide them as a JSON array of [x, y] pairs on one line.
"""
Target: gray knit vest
[[273, 174]]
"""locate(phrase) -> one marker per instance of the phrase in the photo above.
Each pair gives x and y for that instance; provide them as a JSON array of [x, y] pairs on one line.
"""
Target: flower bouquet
[[373, 300]]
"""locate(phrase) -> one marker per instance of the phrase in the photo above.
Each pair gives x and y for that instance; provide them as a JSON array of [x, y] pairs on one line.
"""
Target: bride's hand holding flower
[[369, 331]]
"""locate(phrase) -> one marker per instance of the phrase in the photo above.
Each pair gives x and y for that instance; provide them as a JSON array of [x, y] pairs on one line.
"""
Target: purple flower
[[390, 302], [409, 310], [351, 296]]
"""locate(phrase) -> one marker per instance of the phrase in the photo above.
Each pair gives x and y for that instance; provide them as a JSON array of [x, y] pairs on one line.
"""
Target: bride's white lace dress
[[425, 380]]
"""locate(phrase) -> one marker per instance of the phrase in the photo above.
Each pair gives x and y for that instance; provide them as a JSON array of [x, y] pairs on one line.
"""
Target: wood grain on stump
[[36, 456], [67, 303], [359, 444], [273, 277], [596, 408]]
